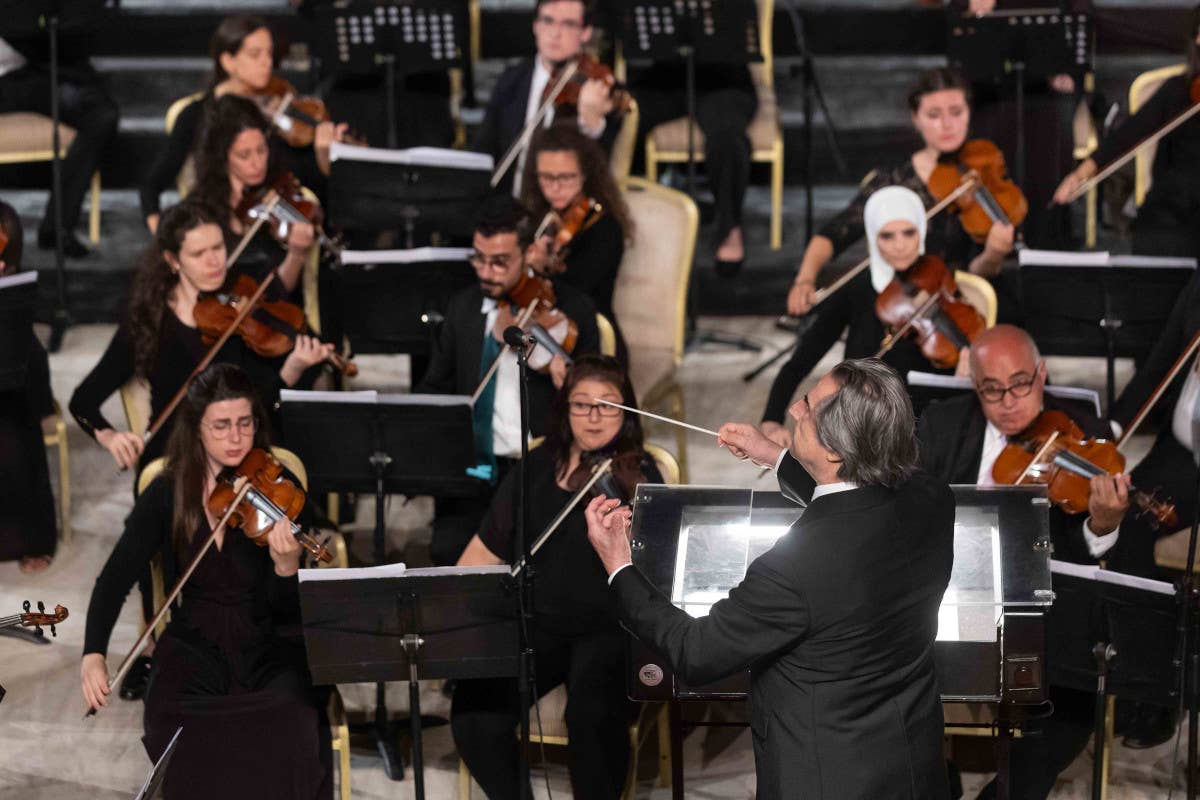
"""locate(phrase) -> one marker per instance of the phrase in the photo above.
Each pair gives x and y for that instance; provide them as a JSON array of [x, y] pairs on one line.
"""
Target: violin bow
[[523, 140], [890, 340], [1159, 390], [521, 322], [597, 472], [243, 487]]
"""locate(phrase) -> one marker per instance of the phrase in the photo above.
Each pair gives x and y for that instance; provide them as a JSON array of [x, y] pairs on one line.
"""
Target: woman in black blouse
[[941, 114], [159, 341], [1168, 221], [243, 54], [576, 636], [564, 164], [230, 668]]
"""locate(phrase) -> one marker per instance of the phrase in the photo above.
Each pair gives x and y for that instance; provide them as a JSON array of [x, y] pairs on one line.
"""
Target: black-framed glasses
[[558, 178], [565, 24], [222, 428], [479, 261], [994, 392], [578, 408]]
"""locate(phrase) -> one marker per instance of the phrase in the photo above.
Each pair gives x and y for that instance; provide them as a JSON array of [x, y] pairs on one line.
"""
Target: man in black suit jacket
[[502, 235], [837, 621], [560, 29]]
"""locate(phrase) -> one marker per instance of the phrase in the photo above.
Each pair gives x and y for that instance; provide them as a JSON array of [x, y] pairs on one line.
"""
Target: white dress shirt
[[506, 410], [10, 59]]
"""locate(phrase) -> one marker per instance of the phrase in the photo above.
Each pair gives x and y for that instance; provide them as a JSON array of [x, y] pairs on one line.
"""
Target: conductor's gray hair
[[869, 423]]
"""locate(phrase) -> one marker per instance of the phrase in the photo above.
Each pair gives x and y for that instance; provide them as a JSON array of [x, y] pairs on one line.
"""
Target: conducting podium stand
[[369, 443], [388, 624]]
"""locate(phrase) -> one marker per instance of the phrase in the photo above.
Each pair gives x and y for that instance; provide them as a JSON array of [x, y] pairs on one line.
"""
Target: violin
[[534, 295], [923, 302], [270, 329], [271, 497], [294, 116], [36, 619], [995, 198], [290, 207], [580, 215], [619, 481], [1053, 451], [587, 68]]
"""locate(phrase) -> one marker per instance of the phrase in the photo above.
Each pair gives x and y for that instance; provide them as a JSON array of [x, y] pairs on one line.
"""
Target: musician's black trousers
[[86, 106], [723, 115], [486, 712]]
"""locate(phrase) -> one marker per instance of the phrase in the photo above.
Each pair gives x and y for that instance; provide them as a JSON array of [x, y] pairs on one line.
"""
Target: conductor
[[836, 622]]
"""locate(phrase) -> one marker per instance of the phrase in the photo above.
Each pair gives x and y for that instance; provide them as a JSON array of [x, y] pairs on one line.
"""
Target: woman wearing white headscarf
[[894, 222]]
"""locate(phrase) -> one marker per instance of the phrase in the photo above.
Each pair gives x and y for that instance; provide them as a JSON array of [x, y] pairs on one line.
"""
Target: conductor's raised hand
[[285, 550], [608, 530], [747, 442]]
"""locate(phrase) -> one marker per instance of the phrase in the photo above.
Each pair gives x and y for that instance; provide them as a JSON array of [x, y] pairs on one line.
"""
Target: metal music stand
[[927, 387], [377, 444], [374, 189], [1025, 43], [1095, 304], [153, 787], [18, 296], [358, 36], [387, 624], [1114, 635]]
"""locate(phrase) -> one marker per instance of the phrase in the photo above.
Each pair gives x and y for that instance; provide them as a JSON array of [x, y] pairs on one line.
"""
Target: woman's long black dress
[[27, 523], [230, 668]]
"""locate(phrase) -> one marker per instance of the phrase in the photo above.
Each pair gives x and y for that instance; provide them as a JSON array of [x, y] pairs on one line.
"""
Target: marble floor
[[51, 752]]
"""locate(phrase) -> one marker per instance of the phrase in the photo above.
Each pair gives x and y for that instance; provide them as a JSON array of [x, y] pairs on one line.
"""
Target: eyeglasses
[[223, 427], [558, 179], [994, 392], [569, 25], [581, 409], [479, 261]]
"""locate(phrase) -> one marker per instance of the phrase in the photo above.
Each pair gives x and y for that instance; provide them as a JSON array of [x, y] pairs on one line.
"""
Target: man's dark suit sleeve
[[439, 376], [763, 615], [794, 481], [488, 138]]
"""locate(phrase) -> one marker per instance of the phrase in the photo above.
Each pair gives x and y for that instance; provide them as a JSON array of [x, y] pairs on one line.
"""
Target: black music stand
[[1094, 304], [18, 296], [386, 624], [373, 189], [153, 787], [356, 37], [928, 387], [1112, 634], [1024, 43], [383, 444]]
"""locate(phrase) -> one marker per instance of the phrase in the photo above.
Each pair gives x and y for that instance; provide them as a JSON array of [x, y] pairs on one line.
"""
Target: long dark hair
[[598, 182], [186, 458], [938, 79], [13, 252], [230, 116], [229, 37], [594, 367], [155, 280]]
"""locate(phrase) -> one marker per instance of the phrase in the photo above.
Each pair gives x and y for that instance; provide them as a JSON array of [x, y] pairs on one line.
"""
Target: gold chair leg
[[1110, 707], [651, 161], [1090, 215], [777, 200], [94, 213], [464, 781], [64, 482]]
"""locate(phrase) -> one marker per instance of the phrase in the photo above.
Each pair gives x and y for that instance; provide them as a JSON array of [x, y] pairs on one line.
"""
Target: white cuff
[[779, 460], [1097, 545], [618, 569]]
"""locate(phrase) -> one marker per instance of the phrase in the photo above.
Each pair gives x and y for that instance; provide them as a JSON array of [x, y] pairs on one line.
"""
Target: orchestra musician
[[837, 621], [896, 231], [941, 113], [243, 56], [230, 667], [1168, 221], [28, 531], [560, 30], [563, 168], [576, 637], [468, 344]]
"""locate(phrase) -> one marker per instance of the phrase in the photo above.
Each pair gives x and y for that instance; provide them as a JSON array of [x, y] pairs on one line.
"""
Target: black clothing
[[577, 641], [180, 349], [851, 309], [27, 525], [837, 625], [504, 118], [262, 254], [223, 669], [725, 105], [593, 260], [456, 519], [84, 103]]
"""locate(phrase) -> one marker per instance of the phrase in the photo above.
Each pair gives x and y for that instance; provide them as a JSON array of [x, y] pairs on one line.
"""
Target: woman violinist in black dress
[[576, 637], [563, 166], [159, 341], [230, 668]]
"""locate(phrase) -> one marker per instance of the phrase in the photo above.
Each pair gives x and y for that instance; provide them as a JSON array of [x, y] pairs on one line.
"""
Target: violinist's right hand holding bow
[[801, 297], [125, 447], [746, 442], [1073, 180], [93, 677], [595, 103], [308, 351]]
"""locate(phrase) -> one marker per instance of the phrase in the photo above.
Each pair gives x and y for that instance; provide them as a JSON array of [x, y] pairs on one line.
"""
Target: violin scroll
[[39, 618]]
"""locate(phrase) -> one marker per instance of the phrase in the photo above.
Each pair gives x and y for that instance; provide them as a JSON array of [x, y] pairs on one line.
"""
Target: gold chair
[[1142, 89], [186, 178], [667, 143], [26, 138], [650, 297], [608, 336], [56, 436], [1086, 141], [135, 401], [978, 291], [620, 160]]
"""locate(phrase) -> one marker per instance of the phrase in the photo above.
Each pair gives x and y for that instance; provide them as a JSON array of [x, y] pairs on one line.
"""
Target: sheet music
[[373, 397], [419, 255], [415, 156], [1069, 258], [20, 279], [395, 571], [1092, 572]]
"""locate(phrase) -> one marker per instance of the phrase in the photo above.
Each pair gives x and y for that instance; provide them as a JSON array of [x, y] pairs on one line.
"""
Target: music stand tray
[[926, 387], [1046, 41], [355, 36], [18, 296], [719, 32]]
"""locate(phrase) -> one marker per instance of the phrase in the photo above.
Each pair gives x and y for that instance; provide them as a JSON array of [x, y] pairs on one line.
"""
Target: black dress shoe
[[728, 269], [1153, 726], [133, 687], [72, 247]]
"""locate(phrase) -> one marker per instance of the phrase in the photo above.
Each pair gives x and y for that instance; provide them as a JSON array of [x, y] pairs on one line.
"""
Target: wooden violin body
[[1053, 451], [563, 227], [291, 206], [587, 68], [995, 199], [294, 116], [533, 291], [923, 302]]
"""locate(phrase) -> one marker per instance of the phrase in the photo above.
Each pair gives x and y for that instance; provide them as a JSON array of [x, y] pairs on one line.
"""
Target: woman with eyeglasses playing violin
[[567, 175], [576, 637], [230, 667]]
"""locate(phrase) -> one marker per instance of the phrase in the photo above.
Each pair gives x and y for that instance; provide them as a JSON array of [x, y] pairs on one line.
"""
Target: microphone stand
[[62, 319]]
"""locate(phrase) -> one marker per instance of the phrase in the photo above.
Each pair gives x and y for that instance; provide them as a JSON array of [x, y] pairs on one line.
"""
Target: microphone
[[543, 338], [515, 337], [432, 318]]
